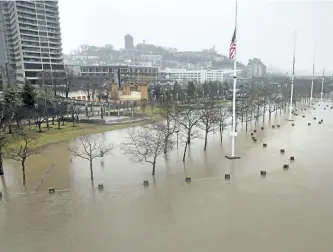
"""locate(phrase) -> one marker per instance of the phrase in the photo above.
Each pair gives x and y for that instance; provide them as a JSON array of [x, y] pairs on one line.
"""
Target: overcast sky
[[265, 28]]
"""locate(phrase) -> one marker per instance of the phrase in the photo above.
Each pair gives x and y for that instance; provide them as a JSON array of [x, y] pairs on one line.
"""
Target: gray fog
[[265, 28]]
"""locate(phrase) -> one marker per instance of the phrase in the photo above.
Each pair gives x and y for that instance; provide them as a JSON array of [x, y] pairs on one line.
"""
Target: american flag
[[232, 49]]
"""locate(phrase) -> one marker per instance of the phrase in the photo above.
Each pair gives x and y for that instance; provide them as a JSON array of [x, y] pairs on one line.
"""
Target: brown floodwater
[[288, 210]]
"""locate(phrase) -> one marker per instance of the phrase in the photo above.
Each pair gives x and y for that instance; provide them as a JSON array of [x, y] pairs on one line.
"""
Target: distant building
[[199, 76], [156, 60], [129, 44], [255, 68], [31, 34], [126, 72]]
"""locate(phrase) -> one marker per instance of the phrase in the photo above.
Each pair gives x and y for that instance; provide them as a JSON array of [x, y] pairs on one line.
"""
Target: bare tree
[[87, 89], [24, 146], [272, 105], [247, 109], [74, 110], [69, 81], [91, 147], [145, 144], [223, 117], [209, 119], [49, 79], [188, 119], [258, 110], [265, 94], [4, 137], [167, 113]]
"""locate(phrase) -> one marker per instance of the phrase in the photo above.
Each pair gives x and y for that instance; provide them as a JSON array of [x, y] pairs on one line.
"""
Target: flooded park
[[286, 210]]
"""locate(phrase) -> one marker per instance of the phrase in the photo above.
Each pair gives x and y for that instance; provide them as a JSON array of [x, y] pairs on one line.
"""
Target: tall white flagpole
[[233, 131], [313, 72], [292, 82], [322, 86]]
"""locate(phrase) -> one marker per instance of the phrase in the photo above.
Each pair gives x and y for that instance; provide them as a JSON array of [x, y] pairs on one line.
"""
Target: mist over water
[[288, 210]]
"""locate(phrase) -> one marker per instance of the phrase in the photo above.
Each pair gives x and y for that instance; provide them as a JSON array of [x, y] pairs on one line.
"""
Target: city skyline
[[215, 27]]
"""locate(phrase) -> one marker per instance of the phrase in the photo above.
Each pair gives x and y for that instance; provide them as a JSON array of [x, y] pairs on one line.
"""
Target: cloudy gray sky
[[265, 28]]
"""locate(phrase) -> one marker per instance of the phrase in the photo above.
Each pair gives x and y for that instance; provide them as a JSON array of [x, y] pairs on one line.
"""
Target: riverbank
[[68, 132]]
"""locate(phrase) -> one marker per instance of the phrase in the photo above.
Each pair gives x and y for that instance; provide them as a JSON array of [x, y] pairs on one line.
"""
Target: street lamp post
[[313, 69], [322, 86], [292, 83]]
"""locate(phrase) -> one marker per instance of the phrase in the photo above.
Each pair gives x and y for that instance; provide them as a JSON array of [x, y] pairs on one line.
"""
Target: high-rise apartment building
[[30, 42], [255, 68]]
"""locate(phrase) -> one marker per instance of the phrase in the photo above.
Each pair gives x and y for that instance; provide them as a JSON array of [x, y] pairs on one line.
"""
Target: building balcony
[[25, 21], [25, 4], [29, 27], [52, 15], [24, 49], [53, 25], [26, 18], [30, 44], [30, 11], [25, 32], [30, 39], [31, 60]]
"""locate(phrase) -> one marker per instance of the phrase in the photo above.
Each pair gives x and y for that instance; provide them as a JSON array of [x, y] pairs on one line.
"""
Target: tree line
[[182, 121], [186, 122]]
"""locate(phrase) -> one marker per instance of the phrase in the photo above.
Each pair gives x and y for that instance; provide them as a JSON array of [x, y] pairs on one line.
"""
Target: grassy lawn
[[68, 132], [153, 114]]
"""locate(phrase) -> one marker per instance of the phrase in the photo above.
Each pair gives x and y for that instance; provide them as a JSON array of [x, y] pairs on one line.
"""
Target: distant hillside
[[158, 56], [227, 63]]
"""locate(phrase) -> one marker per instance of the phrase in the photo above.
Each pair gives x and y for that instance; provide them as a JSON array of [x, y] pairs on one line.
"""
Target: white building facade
[[32, 38], [199, 76]]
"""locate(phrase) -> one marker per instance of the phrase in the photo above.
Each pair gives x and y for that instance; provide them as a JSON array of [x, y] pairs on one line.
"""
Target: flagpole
[[292, 82], [233, 132], [322, 86], [313, 71]]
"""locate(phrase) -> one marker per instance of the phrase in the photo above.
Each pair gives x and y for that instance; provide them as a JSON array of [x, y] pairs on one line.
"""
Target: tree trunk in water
[[221, 132], [23, 172], [246, 126], [154, 165], [91, 170], [166, 143], [185, 151], [206, 140], [189, 137], [1, 163]]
